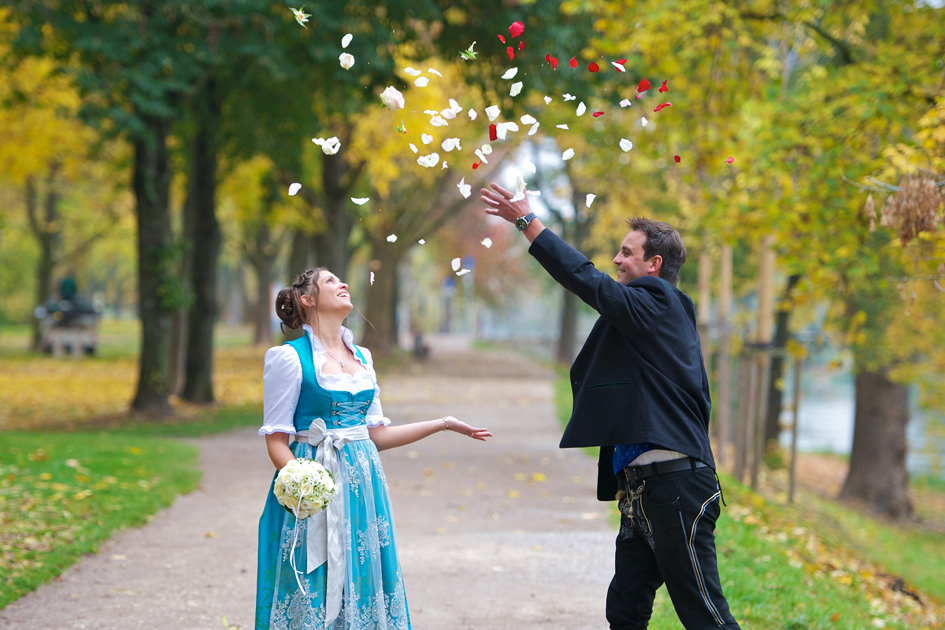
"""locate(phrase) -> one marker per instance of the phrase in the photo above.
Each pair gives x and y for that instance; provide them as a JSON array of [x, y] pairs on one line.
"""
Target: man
[[641, 394]]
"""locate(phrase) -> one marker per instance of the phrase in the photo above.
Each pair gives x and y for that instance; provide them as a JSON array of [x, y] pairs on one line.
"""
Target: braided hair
[[289, 305]]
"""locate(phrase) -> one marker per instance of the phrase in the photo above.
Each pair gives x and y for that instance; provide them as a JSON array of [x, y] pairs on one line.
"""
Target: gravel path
[[501, 535]]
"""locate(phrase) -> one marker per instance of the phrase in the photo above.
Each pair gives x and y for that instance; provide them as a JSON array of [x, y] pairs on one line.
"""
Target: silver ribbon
[[324, 532]]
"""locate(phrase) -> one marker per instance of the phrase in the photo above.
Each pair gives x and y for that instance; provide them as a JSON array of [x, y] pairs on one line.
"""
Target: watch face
[[521, 223]]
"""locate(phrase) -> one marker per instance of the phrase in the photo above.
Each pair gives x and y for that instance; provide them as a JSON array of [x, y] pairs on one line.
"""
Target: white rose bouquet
[[304, 487]]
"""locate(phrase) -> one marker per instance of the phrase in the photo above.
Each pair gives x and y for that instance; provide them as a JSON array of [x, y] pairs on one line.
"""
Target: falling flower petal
[[493, 132], [663, 87], [392, 98], [329, 146], [413, 72], [464, 189], [435, 71], [663, 105], [643, 86], [593, 67], [510, 52], [516, 89], [573, 62], [487, 149], [450, 144], [597, 114], [510, 73], [581, 108], [589, 199], [372, 278], [626, 103], [521, 45], [487, 242], [562, 126], [473, 114], [676, 157], [392, 238], [413, 147], [534, 129], [501, 37], [493, 112], [528, 119], [548, 100], [625, 145], [422, 241], [456, 263], [516, 29], [477, 165], [422, 82], [300, 16], [568, 97], [346, 60], [448, 114], [567, 155], [429, 161], [618, 66], [552, 60], [482, 158], [519, 188], [294, 189], [455, 107], [439, 121], [469, 53], [426, 138], [644, 121], [360, 200], [462, 272], [346, 40], [533, 193], [729, 160]]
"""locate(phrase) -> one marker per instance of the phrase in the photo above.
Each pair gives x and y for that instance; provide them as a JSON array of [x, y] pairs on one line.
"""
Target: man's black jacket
[[640, 376]]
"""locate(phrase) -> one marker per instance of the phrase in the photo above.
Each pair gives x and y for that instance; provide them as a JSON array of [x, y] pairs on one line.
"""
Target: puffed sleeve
[[375, 414], [282, 382]]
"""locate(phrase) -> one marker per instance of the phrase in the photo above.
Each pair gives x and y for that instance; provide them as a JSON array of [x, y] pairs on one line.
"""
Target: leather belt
[[662, 468]]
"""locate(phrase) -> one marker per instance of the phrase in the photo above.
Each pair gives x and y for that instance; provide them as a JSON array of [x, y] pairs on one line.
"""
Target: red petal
[[493, 133], [573, 62], [521, 44], [663, 87], [501, 38], [659, 107], [644, 86], [593, 67], [516, 29], [511, 52], [730, 160], [596, 114], [476, 165], [552, 60], [622, 62], [676, 157]]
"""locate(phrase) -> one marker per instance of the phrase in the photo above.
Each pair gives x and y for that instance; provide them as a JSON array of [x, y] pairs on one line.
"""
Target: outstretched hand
[[501, 205], [458, 426]]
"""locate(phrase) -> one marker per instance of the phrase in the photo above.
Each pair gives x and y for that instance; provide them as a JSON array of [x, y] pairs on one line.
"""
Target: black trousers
[[667, 535]]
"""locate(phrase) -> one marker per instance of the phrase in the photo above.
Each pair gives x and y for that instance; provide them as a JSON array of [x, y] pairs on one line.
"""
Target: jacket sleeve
[[632, 308]]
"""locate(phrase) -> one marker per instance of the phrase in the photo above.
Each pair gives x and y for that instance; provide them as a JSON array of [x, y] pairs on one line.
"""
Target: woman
[[339, 568]]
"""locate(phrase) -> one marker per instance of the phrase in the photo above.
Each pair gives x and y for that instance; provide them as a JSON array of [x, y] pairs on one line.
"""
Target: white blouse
[[282, 383]]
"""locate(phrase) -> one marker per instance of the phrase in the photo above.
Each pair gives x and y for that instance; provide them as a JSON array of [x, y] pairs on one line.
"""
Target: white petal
[[562, 126], [534, 129], [581, 108], [346, 60], [644, 121], [487, 149], [462, 272], [493, 112], [531, 168], [413, 147], [455, 263], [481, 156], [429, 161], [439, 121], [589, 199], [519, 188], [626, 102], [454, 107], [567, 155], [500, 131], [516, 89], [547, 100], [422, 241], [464, 189], [346, 40], [510, 73], [448, 114], [426, 138], [294, 188], [422, 82], [434, 71], [451, 143], [625, 145], [431, 112], [392, 238], [528, 119], [472, 114], [412, 72], [533, 193], [568, 97], [372, 278], [619, 66], [487, 242], [360, 200]]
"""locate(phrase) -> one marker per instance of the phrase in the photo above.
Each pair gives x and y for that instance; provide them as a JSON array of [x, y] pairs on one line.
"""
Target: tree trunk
[[302, 255], [332, 246], [380, 335], [47, 230], [205, 242], [151, 184], [877, 472], [263, 306], [782, 332]]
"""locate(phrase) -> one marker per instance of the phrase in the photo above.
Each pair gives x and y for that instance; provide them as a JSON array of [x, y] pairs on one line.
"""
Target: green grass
[[63, 494]]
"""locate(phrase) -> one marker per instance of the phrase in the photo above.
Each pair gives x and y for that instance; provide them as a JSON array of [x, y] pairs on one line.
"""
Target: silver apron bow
[[325, 535]]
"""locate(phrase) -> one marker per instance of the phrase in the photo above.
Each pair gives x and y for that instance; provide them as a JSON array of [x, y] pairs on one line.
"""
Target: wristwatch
[[522, 222]]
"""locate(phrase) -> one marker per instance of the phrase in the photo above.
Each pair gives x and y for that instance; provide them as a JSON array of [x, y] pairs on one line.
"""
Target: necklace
[[341, 363]]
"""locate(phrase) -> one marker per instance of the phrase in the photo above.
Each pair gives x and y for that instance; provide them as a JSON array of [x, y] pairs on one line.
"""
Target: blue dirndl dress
[[373, 597]]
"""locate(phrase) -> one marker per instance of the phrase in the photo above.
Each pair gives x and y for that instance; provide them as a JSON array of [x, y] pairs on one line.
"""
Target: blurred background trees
[[147, 149]]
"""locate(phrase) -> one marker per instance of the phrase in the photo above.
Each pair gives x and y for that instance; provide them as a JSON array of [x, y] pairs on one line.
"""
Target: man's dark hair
[[661, 239]]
